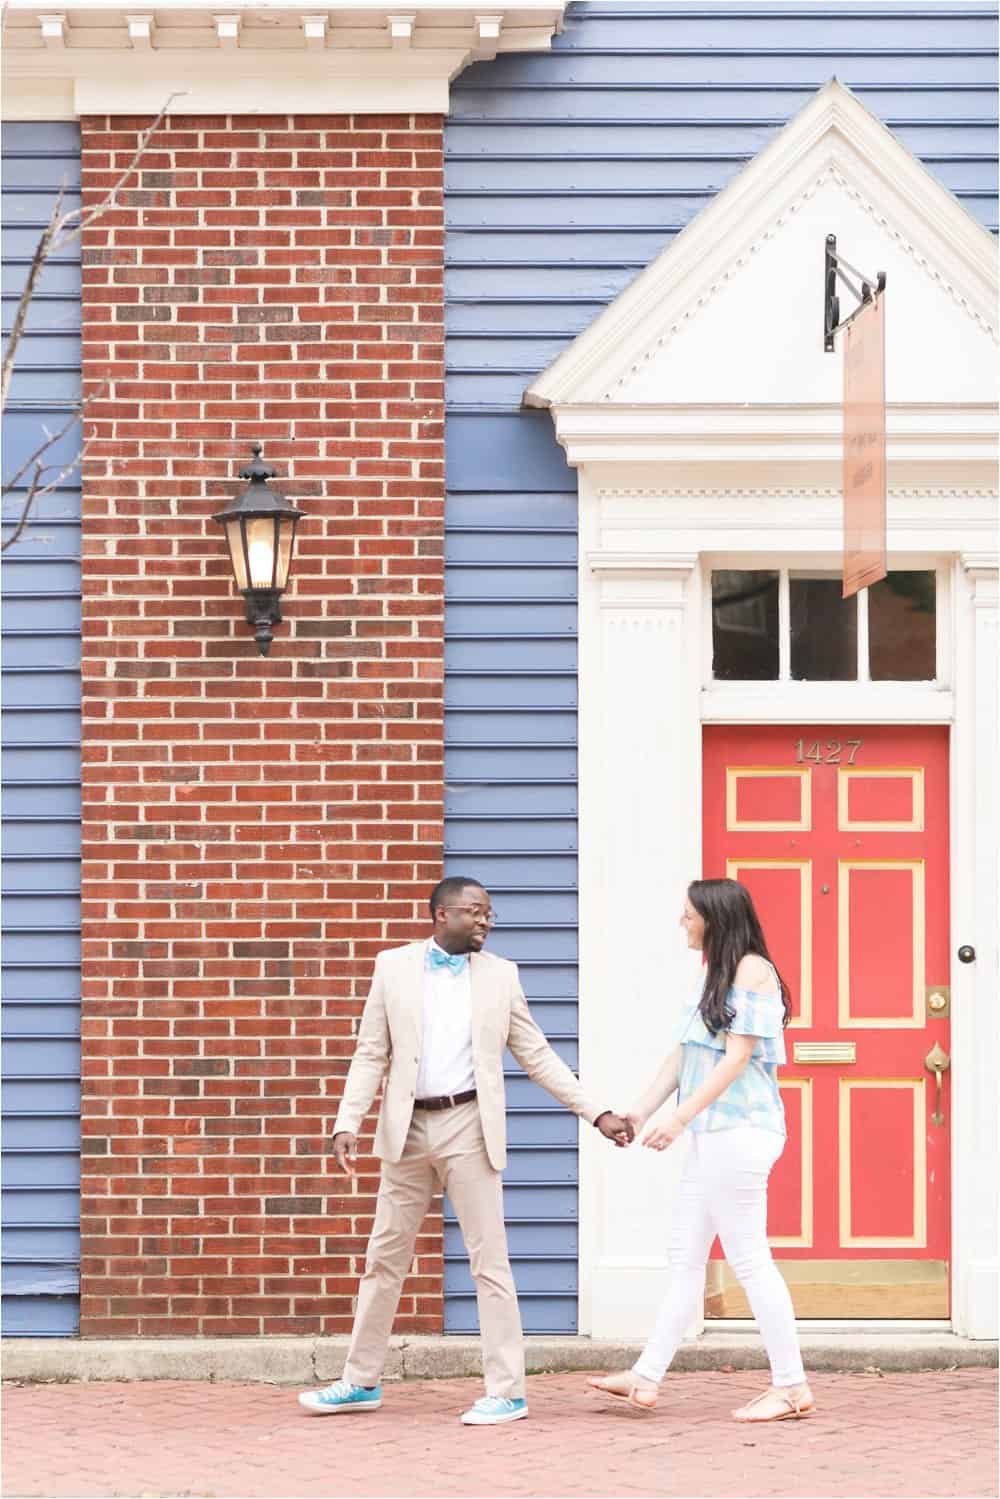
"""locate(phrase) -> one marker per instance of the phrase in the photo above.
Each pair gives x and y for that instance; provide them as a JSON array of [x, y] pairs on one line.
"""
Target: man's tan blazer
[[390, 1038]]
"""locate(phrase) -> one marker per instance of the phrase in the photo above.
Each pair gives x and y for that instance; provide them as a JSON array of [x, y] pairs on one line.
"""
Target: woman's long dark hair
[[732, 929]]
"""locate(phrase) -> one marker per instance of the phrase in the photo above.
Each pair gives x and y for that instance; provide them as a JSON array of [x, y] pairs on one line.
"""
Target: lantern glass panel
[[261, 550], [234, 536], [286, 538]]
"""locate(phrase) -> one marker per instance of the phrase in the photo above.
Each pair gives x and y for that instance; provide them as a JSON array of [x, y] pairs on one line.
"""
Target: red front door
[[841, 835]]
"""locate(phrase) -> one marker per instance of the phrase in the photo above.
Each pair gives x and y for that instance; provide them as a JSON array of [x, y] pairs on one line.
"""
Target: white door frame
[[643, 702]]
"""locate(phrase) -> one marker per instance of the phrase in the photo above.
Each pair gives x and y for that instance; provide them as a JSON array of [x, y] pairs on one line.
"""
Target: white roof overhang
[[339, 57]]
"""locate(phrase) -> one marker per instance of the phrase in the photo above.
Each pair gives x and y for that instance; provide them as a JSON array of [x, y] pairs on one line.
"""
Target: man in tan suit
[[435, 1025]]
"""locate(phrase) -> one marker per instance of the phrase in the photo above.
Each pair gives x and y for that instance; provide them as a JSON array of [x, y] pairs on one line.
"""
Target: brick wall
[[254, 830]]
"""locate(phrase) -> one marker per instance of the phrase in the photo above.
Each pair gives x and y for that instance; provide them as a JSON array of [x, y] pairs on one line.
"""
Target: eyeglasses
[[476, 911]]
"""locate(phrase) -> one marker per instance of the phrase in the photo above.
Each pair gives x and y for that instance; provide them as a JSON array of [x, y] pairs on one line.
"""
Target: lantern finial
[[257, 468]]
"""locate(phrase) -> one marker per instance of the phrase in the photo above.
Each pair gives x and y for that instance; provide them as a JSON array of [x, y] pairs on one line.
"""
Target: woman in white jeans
[[723, 1065]]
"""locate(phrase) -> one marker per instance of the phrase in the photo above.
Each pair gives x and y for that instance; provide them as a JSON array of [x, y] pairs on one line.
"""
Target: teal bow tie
[[455, 962]]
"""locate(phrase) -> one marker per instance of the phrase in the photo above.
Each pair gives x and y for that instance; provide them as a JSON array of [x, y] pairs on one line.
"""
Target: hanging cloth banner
[[864, 447]]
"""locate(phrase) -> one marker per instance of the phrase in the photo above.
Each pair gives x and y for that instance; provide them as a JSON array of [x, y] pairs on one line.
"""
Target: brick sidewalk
[[902, 1434]]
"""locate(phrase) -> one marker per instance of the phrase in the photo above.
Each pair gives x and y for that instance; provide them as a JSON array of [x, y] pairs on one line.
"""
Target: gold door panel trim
[[804, 1238], [848, 1238], [914, 774], [915, 1020], [736, 773], [842, 1288], [803, 1020], [825, 1051]]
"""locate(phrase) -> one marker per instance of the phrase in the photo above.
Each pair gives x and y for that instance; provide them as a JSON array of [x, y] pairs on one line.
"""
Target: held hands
[[623, 1128], [664, 1134], [615, 1127]]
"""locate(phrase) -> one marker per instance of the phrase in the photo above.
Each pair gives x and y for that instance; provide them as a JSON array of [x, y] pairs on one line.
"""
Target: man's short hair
[[453, 885]]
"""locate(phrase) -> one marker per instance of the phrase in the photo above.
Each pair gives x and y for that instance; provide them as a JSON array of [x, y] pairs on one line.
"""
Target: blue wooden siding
[[511, 821], [567, 173], [41, 764]]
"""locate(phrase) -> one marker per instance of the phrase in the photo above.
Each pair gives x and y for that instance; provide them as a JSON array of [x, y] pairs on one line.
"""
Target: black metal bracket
[[835, 265], [263, 611]]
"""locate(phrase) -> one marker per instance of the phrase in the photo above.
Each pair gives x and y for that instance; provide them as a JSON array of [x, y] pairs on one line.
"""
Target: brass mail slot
[[825, 1051]]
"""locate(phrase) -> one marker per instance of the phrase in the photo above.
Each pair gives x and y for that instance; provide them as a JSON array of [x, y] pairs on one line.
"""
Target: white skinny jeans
[[723, 1191]]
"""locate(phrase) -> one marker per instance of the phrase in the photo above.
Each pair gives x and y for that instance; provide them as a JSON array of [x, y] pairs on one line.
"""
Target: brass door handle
[[937, 1061]]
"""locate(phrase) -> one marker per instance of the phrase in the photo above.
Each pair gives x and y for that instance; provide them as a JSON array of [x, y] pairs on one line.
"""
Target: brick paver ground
[[901, 1434]]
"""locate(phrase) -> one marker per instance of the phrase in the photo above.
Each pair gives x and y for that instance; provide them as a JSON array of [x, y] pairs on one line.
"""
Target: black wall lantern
[[260, 529]]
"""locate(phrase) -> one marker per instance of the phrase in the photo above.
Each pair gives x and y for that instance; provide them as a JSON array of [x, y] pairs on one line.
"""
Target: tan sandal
[[644, 1401], [791, 1409]]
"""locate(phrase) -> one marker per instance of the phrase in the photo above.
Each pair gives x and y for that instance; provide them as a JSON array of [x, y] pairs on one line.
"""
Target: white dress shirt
[[446, 1056]]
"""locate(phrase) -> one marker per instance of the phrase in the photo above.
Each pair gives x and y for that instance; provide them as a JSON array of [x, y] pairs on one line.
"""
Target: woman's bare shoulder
[[754, 973]]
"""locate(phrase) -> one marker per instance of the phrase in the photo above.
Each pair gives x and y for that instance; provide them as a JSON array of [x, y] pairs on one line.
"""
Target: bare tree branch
[[37, 490], [25, 514], [61, 230], [43, 250], [35, 459], [76, 220]]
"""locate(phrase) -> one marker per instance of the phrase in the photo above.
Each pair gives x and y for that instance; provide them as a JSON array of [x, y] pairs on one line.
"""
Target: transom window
[[792, 624]]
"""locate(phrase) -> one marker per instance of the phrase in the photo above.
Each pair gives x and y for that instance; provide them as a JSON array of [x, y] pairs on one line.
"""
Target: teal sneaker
[[494, 1410], [340, 1396]]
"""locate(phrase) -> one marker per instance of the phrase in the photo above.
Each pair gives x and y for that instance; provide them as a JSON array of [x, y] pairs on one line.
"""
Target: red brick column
[[254, 831]]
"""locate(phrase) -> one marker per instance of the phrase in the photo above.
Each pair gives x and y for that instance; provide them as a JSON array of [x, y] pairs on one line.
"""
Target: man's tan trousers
[[443, 1149]]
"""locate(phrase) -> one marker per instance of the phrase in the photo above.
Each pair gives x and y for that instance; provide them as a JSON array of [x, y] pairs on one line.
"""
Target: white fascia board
[[788, 420], [695, 469], [646, 512], [39, 99], [800, 444], [252, 83], [264, 94], [262, 83], [833, 133]]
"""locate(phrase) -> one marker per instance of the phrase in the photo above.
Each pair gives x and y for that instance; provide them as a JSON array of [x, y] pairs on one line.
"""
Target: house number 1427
[[827, 752]]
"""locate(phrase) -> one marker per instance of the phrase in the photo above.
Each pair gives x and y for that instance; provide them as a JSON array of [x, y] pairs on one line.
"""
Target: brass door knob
[[937, 1061]]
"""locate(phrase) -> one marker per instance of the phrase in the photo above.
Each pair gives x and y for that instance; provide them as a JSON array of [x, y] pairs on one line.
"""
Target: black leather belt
[[447, 1102]]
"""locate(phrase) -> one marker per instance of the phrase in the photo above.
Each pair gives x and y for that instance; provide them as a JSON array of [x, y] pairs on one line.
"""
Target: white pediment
[[731, 313]]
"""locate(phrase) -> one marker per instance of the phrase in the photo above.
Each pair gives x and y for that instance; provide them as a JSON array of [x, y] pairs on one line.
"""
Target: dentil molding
[[707, 293], [916, 253]]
